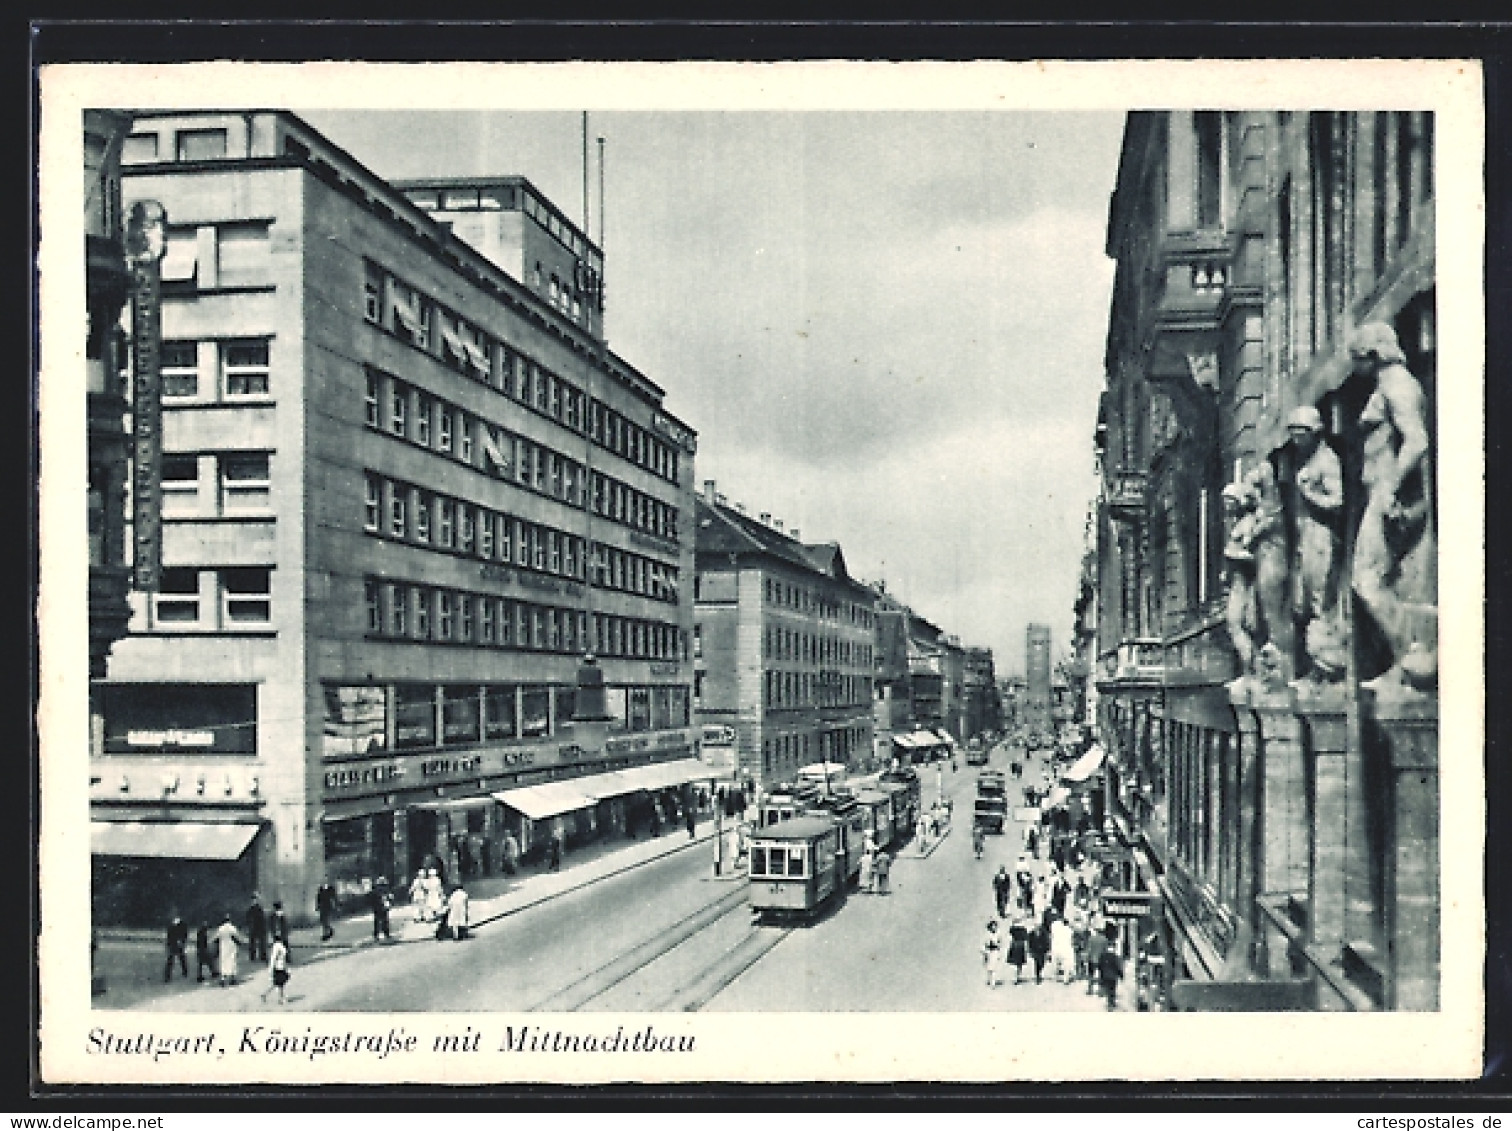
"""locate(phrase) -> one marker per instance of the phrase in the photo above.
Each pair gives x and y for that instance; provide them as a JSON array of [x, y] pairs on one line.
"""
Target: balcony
[[1125, 494], [1136, 662]]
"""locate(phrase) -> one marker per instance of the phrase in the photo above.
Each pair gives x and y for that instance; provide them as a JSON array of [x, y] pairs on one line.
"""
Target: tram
[[795, 868], [851, 820], [786, 801], [902, 781], [877, 809]]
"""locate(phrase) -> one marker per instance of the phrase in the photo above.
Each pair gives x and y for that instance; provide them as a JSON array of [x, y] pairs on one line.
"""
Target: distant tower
[[1037, 674]]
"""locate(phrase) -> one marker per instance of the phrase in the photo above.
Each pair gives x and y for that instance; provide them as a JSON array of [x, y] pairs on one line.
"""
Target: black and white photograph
[[845, 572]]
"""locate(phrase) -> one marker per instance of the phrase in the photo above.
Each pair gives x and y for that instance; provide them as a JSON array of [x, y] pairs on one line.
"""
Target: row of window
[[400, 610], [213, 599], [210, 256], [400, 409], [787, 644], [393, 305], [223, 369], [238, 482], [188, 145], [815, 689], [427, 518], [787, 752], [805, 600]]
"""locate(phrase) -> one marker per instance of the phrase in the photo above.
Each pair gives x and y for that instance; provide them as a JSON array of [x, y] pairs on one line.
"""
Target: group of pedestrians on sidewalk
[[218, 951]]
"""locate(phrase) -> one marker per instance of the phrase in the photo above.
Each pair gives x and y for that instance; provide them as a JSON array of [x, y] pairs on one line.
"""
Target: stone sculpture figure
[[1315, 566], [1272, 570], [1395, 567], [1257, 615], [1241, 612]]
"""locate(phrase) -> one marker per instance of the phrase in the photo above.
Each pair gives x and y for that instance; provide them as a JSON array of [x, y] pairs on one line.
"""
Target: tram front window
[[758, 861], [795, 862], [776, 857]]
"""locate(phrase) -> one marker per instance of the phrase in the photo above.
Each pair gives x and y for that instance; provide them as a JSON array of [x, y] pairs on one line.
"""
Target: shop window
[[246, 482], [414, 716], [460, 715], [177, 599], [640, 708], [179, 718], [247, 594], [499, 713], [246, 368], [201, 145], [354, 719], [179, 369], [180, 484], [535, 712]]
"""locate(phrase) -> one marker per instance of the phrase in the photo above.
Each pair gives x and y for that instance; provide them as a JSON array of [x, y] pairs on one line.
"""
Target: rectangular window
[[459, 714], [535, 712], [242, 254], [464, 618], [180, 483], [486, 620], [465, 528], [569, 555], [554, 620], [246, 368], [177, 598], [247, 592], [444, 428], [554, 551], [201, 145], [370, 594], [422, 516], [464, 437], [486, 534], [140, 149], [414, 716], [422, 612], [499, 713], [506, 538], [179, 369], [372, 294], [506, 623], [445, 522], [445, 615], [422, 419], [556, 475], [399, 409], [398, 516], [399, 603], [245, 481], [370, 401]]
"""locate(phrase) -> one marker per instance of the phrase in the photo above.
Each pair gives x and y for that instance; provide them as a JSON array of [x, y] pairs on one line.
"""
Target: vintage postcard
[[833, 572]]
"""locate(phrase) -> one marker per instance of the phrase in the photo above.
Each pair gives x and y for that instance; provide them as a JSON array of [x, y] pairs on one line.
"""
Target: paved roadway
[[917, 949]]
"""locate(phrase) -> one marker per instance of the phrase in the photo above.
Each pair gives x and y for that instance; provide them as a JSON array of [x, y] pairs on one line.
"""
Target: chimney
[[766, 518], [709, 492], [777, 522], [740, 508], [794, 533], [720, 499]]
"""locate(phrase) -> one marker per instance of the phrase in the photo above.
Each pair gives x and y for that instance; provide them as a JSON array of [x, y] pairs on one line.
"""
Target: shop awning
[[1085, 766], [923, 739], [904, 740], [1057, 796], [547, 799], [170, 840], [945, 737], [658, 775]]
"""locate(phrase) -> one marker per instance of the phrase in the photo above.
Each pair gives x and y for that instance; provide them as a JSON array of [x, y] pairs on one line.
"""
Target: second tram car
[[794, 867], [851, 820], [877, 805]]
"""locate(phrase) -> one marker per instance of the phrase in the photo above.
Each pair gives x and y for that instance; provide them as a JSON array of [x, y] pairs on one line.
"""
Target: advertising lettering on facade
[[414, 770], [157, 718], [145, 241]]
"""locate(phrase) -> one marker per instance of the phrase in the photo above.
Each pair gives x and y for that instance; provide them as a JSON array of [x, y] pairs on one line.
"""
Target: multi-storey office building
[[784, 643], [1266, 596], [1037, 691], [979, 694], [405, 493]]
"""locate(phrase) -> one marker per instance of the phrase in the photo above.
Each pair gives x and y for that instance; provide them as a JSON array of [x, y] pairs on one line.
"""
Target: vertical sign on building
[[145, 241]]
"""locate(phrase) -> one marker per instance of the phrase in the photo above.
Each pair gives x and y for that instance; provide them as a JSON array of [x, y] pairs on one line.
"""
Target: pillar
[[1336, 784], [402, 873], [1251, 802], [1285, 849], [1408, 725]]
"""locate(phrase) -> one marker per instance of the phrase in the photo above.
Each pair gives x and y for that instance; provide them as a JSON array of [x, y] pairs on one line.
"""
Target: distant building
[[980, 707], [1037, 702], [405, 492], [784, 645]]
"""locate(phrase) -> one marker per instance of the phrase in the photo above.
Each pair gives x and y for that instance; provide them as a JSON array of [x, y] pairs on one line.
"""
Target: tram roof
[[794, 828]]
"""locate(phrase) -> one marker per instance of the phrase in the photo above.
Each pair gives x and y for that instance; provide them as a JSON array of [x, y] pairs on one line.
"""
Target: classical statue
[[1395, 566], [1319, 481], [1258, 619], [1272, 568], [1241, 613]]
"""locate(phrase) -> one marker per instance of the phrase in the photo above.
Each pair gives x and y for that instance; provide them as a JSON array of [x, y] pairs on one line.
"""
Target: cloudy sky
[[887, 327]]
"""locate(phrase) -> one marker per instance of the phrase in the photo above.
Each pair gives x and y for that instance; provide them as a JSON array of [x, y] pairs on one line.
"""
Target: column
[[1251, 797], [1408, 723], [402, 874], [1323, 711], [1285, 837]]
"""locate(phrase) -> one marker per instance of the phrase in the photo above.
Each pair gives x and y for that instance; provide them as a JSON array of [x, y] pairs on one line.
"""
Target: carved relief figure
[[1320, 494], [1395, 568]]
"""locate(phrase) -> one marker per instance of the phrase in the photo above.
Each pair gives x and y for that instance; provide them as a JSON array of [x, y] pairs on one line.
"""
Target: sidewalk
[[131, 961]]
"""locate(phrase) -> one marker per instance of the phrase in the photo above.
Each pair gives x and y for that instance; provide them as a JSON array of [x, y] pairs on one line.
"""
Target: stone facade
[[1266, 603]]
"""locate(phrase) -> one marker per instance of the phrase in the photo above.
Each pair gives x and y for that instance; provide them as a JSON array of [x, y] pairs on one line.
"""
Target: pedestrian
[[417, 894], [1110, 969], [1018, 937], [992, 953], [383, 900], [278, 923], [1097, 943], [554, 852], [435, 894], [257, 931], [511, 853], [1079, 937], [868, 873], [325, 907], [1062, 950], [176, 942], [1002, 885], [691, 818], [456, 913], [278, 970], [882, 867], [1039, 950], [227, 939], [202, 957], [978, 842]]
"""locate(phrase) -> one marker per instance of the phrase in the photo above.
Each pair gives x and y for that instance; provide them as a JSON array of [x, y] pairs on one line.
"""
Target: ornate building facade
[[1266, 602]]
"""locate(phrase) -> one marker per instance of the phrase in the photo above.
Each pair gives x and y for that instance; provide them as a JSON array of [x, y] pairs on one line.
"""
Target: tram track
[[693, 992]]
